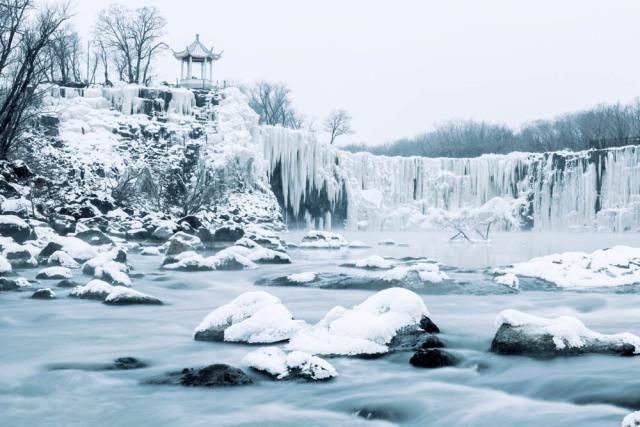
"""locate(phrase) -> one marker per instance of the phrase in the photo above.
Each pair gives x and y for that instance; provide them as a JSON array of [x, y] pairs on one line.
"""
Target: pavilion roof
[[197, 50]]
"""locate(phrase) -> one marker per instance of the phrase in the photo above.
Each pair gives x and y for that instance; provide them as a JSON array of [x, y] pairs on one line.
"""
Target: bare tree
[[23, 64], [338, 123], [65, 51], [132, 39], [272, 103]]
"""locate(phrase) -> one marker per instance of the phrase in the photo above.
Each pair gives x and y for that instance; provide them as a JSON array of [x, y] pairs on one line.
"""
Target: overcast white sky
[[402, 67]]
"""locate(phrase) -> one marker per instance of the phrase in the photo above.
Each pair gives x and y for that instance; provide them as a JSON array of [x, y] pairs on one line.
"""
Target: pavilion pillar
[[182, 69], [211, 69], [189, 69], [202, 73]]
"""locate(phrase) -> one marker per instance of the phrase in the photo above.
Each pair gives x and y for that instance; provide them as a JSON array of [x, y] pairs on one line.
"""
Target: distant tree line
[[603, 126]]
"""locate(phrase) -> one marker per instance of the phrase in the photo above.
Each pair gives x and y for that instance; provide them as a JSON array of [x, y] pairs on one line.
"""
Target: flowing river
[[484, 390]]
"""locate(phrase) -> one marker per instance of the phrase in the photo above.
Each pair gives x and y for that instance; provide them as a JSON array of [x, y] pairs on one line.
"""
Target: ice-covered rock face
[[615, 266], [253, 317], [525, 334], [367, 328], [296, 364]]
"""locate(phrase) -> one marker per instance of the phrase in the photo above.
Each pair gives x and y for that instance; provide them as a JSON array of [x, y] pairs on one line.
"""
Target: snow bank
[[253, 317], [616, 266], [521, 333], [281, 365], [366, 328]]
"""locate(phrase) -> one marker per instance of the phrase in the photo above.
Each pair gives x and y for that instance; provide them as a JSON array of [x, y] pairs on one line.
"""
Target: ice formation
[[582, 190], [615, 266]]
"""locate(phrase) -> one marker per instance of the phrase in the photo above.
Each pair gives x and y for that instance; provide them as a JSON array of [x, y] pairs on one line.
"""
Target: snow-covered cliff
[[320, 185]]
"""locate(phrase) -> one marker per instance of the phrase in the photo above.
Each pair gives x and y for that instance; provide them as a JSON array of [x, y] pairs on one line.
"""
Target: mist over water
[[484, 390]]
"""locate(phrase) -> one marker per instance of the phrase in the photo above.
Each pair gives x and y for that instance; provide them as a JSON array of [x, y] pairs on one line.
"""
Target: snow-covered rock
[[19, 256], [425, 272], [19, 207], [295, 364], [304, 277], [521, 333], [43, 293], [356, 244], [182, 242], [317, 239], [151, 251], [230, 259], [78, 249], [367, 328], [5, 266], [121, 295], [257, 253], [253, 317], [631, 420], [372, 262], [616, 266], [508, 279], [95, 289], [62, 259], [164, 230], [94, 237], [14, 227], [109, 266], [55, 273]]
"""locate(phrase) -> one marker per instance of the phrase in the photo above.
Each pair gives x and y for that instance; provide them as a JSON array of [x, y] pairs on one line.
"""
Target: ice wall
[[597, 189]]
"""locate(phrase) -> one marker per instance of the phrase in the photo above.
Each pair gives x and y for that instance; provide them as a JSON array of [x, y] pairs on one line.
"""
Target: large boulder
[[228, 234], [216, 375], [95, 289], [367, 329], [524, 334], [15, 227], [253, 317], [182, 242]]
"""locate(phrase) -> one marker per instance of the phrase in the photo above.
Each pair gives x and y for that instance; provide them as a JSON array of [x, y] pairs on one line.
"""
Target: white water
[[487, 390]]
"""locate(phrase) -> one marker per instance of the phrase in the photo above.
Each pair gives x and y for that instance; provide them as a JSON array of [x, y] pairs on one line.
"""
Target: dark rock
[[47, 251], [193, 221], [46, 275], [210, 376], [43, 293], [87, 212], [428, 325], [97, 222], [138, 234], [205, 235], [211, 334], [18, 230], [7, 190], [119, 364], [432, 358], [20, 258], [63, 224], [66, 283], [228, 233], [414, 340], [8, 284], [94, 237], [126, 363], [103, 205], [514, 340]]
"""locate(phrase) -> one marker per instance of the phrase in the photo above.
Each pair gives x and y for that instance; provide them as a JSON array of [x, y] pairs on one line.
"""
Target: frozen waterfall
[[596, 189]]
